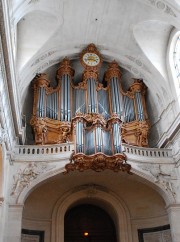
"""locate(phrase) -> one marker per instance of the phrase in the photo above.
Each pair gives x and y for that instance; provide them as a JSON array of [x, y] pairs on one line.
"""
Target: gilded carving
[[113, 71], [65, 68], [40, 128], [49, 131], [98, 162], [53, 120], [87, 74], [91, 48], [135, 133]]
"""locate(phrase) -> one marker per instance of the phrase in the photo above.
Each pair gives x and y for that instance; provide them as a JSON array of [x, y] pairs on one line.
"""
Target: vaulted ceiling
[[134, 33]]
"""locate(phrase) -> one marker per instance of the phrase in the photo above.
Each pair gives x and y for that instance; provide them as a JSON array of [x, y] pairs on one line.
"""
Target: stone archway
[[106, 200], [88, 223]]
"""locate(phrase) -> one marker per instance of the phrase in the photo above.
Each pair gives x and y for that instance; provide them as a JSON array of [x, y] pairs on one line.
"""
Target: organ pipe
[[113, 76], [138, 89], [97, 117]]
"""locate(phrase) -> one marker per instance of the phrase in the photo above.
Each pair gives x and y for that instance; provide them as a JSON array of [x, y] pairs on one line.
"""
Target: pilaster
[[174, 215], [13, 230]]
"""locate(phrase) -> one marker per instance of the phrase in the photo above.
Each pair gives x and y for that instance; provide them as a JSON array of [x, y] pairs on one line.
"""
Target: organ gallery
[[98, 116]]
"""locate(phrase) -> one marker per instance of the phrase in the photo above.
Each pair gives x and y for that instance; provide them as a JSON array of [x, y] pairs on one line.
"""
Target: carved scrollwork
[[25, 176], [87, 74], [163, 175], [95, 118], [50, 132], [65, 68], [40, 80], [135, 133], [40, 128], [113, 71], [98, 162], [138, 86]]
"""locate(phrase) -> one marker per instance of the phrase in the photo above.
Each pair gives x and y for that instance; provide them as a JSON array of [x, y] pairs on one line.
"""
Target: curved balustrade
[[32, 151], [66, 149], [147, 152]]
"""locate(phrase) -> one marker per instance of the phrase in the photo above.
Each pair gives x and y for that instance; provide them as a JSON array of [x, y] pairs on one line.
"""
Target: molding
[[114, 205], [173, 206], [163, 7], [5, 106], [9, 69], [170, 134]]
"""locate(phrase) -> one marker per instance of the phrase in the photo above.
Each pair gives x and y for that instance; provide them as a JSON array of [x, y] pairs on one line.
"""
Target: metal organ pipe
[[79, 137], [79, 101], [98, 139], [116, 138], [41, 102], [115, 96], [128, 109], [92, 100], [93, 132], [140, 111], [65, 98], [103, 105]]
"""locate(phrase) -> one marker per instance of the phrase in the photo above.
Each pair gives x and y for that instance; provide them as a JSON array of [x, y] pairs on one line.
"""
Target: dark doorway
[[88, 223]]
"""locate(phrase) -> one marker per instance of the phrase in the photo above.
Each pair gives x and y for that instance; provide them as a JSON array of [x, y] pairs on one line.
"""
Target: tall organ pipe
[[139, 106], [40, 84], [79, 137], [116, 138], [92, 97], [113, 77], [98, 138], [64, 75], [128, 109], [138, 88]]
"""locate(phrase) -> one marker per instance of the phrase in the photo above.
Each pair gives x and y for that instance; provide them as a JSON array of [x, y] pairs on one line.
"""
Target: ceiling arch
[[33, 30], [152, 37]]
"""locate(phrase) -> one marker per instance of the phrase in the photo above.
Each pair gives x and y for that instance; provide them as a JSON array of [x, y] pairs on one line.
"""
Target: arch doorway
[[88, 223]]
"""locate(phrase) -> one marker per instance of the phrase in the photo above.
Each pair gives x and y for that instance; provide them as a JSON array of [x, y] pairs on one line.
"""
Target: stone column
[[13, 228], [174, 216]]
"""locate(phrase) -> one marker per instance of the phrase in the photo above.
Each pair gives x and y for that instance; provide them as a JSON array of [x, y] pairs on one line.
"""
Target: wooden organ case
[[97, 117]]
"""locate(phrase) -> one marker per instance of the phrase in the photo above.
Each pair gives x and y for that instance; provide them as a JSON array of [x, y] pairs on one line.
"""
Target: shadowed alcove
[[88, 223]]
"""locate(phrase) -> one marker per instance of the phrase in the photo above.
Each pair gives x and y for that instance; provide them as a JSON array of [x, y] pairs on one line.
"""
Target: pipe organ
[[97, 117]]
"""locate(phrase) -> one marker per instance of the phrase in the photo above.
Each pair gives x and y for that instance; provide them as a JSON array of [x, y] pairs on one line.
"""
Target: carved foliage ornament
[[113, 71], [98, 162], [163, 175], [65, 68], [43, 130], [24, 177]]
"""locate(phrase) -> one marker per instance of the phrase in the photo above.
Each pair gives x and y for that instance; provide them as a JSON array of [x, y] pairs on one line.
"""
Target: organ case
[[97, 117]]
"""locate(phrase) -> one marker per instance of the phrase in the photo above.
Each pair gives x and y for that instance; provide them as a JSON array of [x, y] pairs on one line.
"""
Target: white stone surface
[[138, 34]]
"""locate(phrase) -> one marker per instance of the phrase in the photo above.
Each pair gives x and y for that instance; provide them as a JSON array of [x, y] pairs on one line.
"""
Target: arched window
[[174, 60]]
